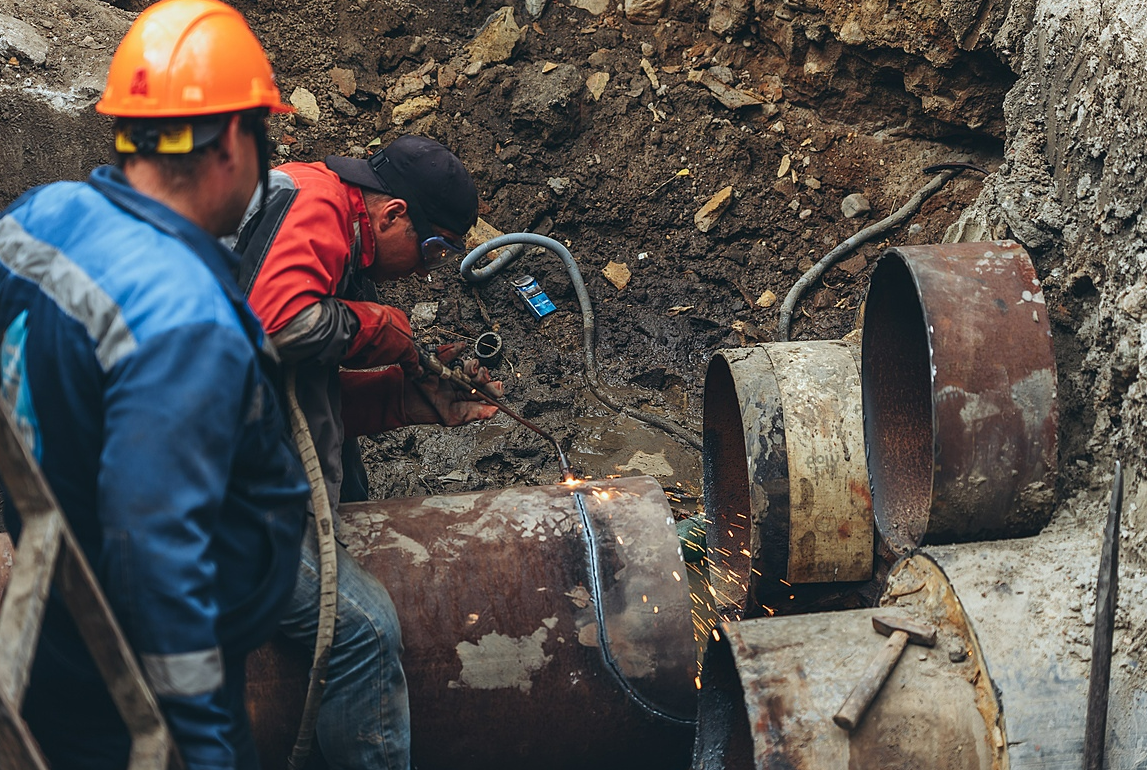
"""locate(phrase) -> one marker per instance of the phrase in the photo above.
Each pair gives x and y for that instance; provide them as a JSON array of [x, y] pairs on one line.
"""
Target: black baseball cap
[[430, 178]]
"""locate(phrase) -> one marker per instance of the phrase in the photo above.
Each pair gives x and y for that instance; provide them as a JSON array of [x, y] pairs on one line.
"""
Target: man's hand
[[430, 400]]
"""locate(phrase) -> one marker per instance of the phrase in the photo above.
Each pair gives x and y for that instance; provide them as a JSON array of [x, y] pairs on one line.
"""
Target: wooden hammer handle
[[871, 681]]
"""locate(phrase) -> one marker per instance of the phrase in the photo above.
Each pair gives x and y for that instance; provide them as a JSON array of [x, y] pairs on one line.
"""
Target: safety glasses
[[437, 250]]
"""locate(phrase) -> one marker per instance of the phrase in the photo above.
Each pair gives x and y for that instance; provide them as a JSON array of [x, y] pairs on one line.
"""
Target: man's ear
[[391, 211], [229, 139]]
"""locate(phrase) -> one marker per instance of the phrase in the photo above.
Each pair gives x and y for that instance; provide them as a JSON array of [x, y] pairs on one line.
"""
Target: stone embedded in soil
[[596, 84], [618, 274], [733, 98], [548, 106], [644, 11], [766, 300], [496, 40], [21, 38], [306, 106], [481, 232], [535, 8], [650, 73], [411, 84], [728, 17], [344, 81], [854, 205], [414, 109], [423, 314], [447, 76], [596, 7], [706, 218], [343, 106], [854, 265], [559, 184]]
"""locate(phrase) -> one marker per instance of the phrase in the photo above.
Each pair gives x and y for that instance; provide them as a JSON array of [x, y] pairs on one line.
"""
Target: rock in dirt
[[497, 38], [481, 232], [644, 11], [447, 76], [549, 105], [596, 84], [618, 274], [650, 73], [423, 314], [343, 105], [307, 106], [854, 265], [535, 8], [706, 218], [414, 109], [767, 299], [559, 184], [344, 81], [411, 84], [596, 7], [728, 17], [854, 205], [20, 38], [733, 98]]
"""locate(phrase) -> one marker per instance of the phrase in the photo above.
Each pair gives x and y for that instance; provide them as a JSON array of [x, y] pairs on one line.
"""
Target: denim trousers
[[364, 716]]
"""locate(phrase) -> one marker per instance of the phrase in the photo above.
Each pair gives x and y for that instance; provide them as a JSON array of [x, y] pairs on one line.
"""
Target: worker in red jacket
[[311, 251]]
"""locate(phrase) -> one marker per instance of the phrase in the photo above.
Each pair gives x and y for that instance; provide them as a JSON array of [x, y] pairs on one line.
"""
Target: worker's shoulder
[[315, 181], [83, 249]]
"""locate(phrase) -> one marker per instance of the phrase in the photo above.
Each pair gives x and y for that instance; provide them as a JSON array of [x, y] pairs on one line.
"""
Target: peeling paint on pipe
[[530, 639], [959, 390], [770, 687], [788, 512]]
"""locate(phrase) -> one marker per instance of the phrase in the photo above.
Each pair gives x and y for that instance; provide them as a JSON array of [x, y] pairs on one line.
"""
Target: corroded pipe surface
[[959, 395], [531, 639], [770, 687], [1029, 602], [789, 517]]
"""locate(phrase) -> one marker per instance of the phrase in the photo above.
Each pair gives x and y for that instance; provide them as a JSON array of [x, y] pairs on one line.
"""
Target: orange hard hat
[[183, 58]]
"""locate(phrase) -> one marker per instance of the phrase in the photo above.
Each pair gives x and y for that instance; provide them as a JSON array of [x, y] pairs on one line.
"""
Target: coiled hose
[[328, 576], [517, 242]]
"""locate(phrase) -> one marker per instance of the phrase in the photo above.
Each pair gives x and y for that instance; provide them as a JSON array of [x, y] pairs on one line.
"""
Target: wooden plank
[[22, 609], [48, 550], [18, 749]]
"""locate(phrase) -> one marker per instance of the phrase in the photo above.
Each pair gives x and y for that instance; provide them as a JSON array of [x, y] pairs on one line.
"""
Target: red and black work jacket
[[303, 251]]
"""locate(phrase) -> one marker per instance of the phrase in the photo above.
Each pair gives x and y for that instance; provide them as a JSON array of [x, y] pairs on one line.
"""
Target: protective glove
[[384, 338], [430, 400]]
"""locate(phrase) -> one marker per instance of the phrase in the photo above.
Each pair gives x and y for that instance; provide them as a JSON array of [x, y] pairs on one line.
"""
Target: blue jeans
[[364, 718]]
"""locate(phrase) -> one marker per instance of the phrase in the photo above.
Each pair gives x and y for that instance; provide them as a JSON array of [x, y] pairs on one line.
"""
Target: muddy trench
[[600, 162]]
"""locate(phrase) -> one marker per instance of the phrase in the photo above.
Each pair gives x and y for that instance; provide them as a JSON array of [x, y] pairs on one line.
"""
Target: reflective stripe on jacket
[[137, 374]]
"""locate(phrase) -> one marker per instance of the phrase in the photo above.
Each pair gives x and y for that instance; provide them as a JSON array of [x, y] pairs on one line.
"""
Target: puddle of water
[[617, 445]]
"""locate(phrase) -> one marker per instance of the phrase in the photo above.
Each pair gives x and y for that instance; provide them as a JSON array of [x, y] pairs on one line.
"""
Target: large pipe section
[[1004, 687], [543, 627], [788, 514], [959, 389]]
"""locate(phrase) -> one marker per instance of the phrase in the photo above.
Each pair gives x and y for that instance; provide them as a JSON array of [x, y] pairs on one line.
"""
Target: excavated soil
[[605, 174]]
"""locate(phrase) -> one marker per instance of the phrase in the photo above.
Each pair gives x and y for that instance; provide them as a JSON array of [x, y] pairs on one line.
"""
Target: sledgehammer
[[899, 632]]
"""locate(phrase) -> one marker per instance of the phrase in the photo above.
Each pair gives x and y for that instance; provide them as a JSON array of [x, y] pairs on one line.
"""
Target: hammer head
[[918, 633]]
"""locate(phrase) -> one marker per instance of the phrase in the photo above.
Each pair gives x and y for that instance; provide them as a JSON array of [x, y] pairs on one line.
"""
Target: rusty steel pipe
[[543, 627], [959, 389], [1005, 688], [788, 514], [770, 687], [1031, 601]]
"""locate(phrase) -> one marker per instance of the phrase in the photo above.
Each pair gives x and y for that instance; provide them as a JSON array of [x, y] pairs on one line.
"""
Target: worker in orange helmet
[[146, 389]]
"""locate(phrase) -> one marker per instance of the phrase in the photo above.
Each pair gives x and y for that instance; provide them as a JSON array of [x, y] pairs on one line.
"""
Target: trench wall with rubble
[[1059, 82]]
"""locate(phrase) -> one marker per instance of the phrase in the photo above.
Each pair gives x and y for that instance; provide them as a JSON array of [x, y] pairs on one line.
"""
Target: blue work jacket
[[145, 388]]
